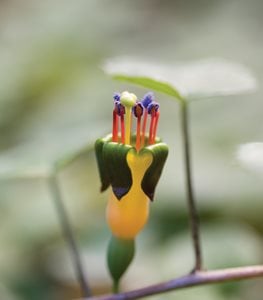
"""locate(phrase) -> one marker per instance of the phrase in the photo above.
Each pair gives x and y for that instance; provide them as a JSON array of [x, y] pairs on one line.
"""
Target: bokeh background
[[55, 99]]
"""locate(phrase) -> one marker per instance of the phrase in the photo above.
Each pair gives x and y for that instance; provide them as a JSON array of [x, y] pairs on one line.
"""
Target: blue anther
[[147, 99], [117, 97]]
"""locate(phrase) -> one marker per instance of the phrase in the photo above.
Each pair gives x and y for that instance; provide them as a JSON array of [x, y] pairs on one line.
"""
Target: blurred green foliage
[[55, 99]]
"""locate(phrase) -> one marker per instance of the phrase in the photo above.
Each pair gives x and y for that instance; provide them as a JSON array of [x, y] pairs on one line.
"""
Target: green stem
[[116, 286], [68, 233], [194, 218]]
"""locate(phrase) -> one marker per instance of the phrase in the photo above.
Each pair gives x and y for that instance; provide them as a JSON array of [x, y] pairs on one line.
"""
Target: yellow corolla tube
[[131, 164], [127, 217]]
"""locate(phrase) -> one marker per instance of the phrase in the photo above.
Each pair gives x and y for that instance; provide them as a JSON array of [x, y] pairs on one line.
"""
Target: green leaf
[[159, 152], [150, 83], [192, 80]]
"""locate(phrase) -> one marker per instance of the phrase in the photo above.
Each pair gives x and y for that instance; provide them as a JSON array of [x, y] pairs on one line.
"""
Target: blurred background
[[55, 99]]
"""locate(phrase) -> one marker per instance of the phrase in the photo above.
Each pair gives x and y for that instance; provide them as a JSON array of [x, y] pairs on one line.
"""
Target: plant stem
[[68, 234], [115, 286], [194, 218], [193, 279]]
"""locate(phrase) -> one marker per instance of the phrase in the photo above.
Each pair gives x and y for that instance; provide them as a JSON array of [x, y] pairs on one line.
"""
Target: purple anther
[[153, 107], [117, 97], [138, 109], [147, 99], [120, 109]]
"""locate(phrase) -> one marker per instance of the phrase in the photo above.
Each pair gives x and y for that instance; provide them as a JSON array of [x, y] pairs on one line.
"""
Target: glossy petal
[[159, 152], [127, 217], [104, 178], [116, 166]]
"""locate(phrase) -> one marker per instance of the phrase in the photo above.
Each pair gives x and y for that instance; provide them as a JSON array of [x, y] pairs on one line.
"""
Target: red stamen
[[153, 116], [138, 134], [155, 126], [122, 129], [115, 127], [144, 126]]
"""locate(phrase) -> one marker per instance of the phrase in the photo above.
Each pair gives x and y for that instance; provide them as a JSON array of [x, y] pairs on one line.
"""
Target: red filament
[[156, 120], [141, 113], [144, 126], [138, 134], [115, 127]]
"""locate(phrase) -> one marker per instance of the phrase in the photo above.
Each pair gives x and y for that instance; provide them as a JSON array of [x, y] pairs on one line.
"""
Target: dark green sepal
[[152, 175], [104, 178], [118, 171], [119, 256]]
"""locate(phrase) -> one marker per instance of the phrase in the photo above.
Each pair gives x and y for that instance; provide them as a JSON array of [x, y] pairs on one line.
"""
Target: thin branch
[[71, 157], [193, 215], [193, 279], [69, 236]]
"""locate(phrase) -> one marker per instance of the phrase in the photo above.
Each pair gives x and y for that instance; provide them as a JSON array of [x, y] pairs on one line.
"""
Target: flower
[[131, 163]]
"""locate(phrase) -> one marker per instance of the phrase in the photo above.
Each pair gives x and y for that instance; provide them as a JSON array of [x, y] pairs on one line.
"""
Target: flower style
[[131, 164]]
